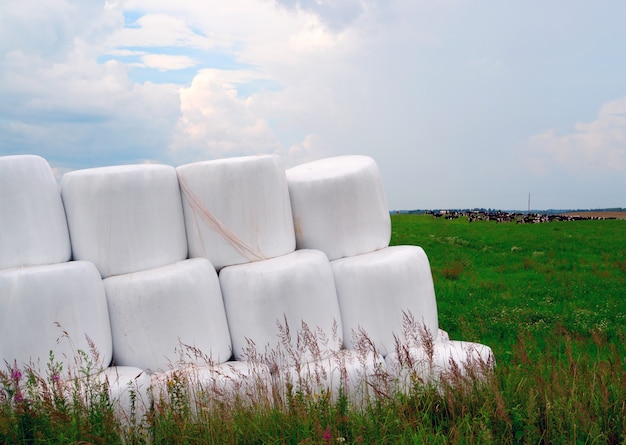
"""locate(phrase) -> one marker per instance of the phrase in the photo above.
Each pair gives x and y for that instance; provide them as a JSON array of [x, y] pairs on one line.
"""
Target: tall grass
[[549, 300]]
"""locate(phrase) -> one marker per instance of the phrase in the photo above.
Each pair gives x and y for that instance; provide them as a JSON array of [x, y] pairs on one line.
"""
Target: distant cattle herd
[[517, 217]]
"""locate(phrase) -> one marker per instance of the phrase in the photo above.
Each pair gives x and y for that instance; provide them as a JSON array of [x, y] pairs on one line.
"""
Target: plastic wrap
[[237, 210], [60, 308], [352, 373], [125, 218], [166, 316], [129, 391], [212, 386], [447, 358], [33, 229], [339, 206], [379, 292], [286, 291]]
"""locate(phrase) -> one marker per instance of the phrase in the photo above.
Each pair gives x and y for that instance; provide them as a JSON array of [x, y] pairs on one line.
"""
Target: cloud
[[79, 109], [158, 30], [81, 113], [59, 100], [84, 122], [215, 122], [51, 29], [453, 85], [165, 62], [336, 14], [595, 146]]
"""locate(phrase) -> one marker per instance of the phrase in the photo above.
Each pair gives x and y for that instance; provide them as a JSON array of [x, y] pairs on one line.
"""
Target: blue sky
[[463, 103]]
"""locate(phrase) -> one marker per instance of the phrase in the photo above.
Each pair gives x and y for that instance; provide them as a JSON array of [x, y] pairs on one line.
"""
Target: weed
[[453, 270]]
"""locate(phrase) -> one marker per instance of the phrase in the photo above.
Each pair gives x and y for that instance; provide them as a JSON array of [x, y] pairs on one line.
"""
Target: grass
[[522, 276], [548, 298]]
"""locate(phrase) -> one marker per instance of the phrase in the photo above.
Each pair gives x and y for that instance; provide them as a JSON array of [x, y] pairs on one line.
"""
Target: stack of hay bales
[[167, 312], [238, 215], [232, 277], [49, 304], [339, 207]]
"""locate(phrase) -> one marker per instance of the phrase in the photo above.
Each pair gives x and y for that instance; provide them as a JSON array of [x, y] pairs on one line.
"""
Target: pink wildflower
[[327, 434], [18, 397], [16, 374]]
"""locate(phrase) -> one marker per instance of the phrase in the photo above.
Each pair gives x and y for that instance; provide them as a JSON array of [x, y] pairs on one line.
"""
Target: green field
[[494, 281], [550, 301], [547, 298]]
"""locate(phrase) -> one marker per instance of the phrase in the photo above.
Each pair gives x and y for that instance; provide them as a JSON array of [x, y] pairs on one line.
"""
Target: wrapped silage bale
[[54, 321], [171, 321], [237, 210], [33, 229], [125, 218], [59, 308], [388, 297], [285, 311], [207, 387], [353, 374], [129, 391], [168, 317], [452, 360], [339, 206], [379, 292], [285, 291]]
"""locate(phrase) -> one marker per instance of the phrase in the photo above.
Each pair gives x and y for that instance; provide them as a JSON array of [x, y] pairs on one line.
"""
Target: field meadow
[[495, 281], [547, 298]]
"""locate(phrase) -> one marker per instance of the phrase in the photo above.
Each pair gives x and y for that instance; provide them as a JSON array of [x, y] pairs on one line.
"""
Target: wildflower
[[16, 374], [18, 397], [56, 377], [327, 435]]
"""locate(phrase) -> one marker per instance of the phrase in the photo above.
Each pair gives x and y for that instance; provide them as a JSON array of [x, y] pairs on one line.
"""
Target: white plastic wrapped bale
[[284, 310], [389, 297], [54, 321], [348, 372], [380, 292], [43, 304], [125, 218], [339, 206], [210, 386], [168, 317], [171, 321], [427, 362], [33, 229], [237, 210], [128, 388], [283, 292]]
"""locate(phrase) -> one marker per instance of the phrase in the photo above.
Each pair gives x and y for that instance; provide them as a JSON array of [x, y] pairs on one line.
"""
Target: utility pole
[[529, 203]]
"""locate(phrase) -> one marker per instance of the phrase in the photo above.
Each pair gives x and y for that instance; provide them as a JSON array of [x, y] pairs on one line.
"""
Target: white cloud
[[216, 123], [313, 37], [421, 86], [302, 152], [158, 30], [594, 146], [165, 62], [73, 110], [336, 14]]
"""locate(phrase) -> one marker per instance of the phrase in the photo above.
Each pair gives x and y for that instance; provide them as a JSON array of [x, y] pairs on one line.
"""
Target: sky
[[462, 103]]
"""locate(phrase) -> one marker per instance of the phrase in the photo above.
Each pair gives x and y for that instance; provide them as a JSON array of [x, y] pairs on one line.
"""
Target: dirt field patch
[[618, 215]]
